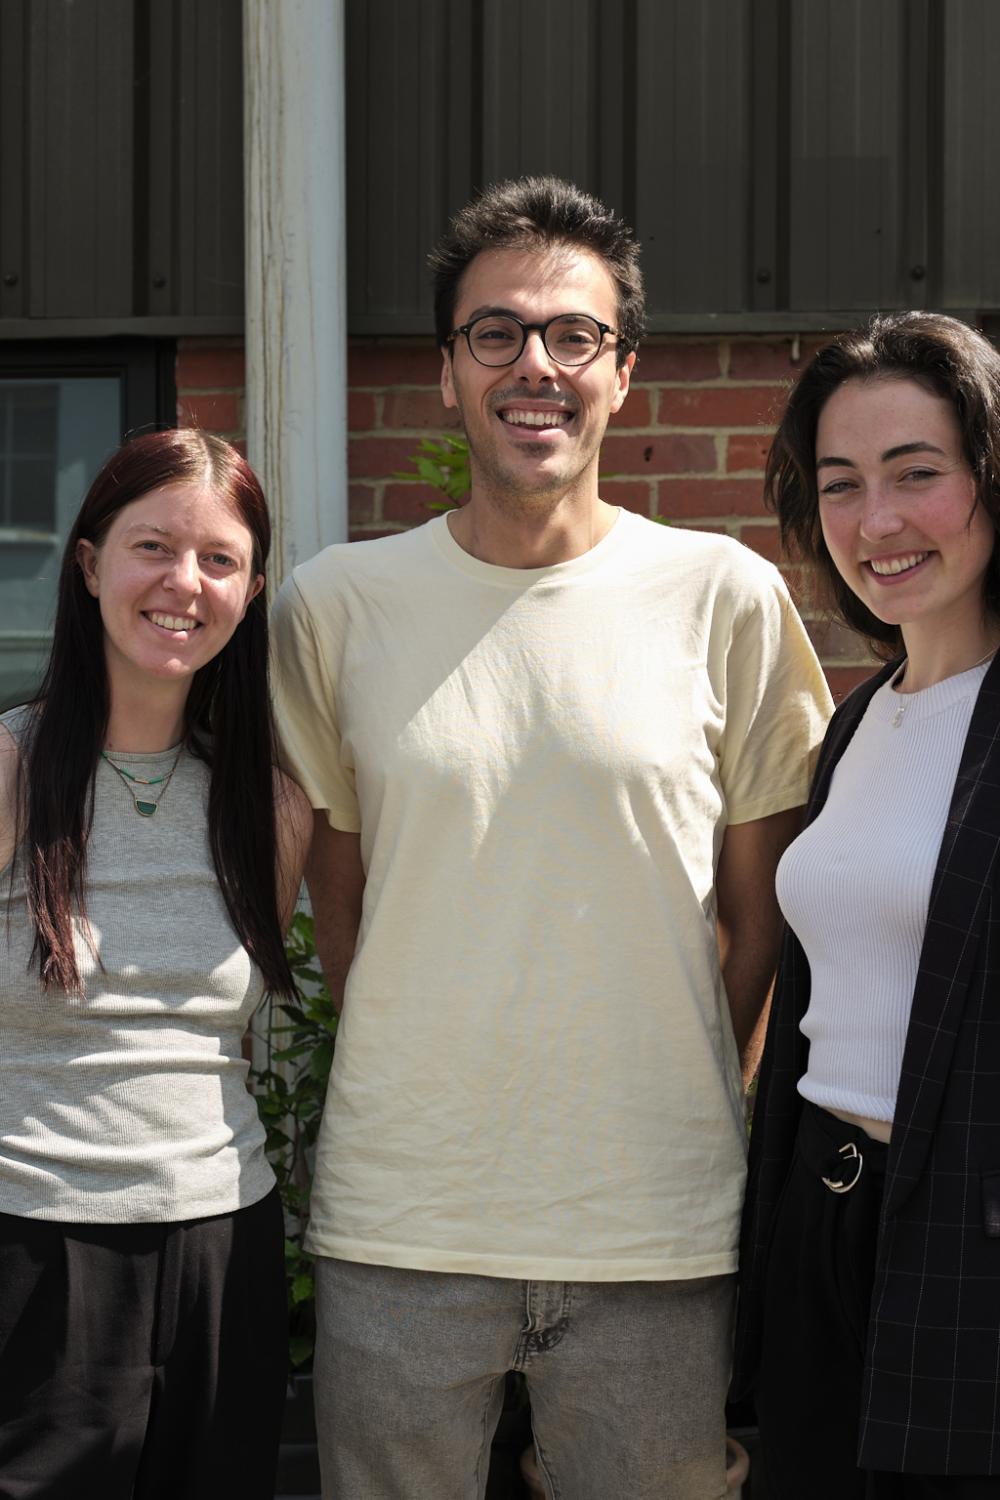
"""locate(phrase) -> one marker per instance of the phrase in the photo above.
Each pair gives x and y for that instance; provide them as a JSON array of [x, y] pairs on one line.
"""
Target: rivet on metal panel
[[917, 273], [763, 275], [159, 280], [10, 278]]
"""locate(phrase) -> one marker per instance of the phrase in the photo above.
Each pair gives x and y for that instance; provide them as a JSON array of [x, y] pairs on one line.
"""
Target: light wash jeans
[[627, 1383]]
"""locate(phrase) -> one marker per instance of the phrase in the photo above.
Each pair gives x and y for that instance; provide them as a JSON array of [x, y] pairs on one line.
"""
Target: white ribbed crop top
[[855, 887]]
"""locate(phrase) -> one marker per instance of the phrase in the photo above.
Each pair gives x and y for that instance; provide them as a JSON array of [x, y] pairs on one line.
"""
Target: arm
[[336, 882], [293, 826], [750, 923]]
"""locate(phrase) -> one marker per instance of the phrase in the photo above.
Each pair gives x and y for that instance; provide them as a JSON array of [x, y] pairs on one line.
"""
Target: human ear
[[622, 379], [86, 556], [253, 589], [448, 379]]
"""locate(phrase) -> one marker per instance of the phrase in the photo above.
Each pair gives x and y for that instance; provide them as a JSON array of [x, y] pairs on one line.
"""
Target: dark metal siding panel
[[544, 92], [412, 141], [847, 154], [615, 106], [156, 282], [783, 161], [121, 160], [494, 86], [193, 259], [13, 61], [970, 181], [691, 163], [209, 103], [80, 159]]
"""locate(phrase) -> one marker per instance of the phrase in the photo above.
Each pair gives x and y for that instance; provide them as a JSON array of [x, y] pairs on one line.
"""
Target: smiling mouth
[[890, 567], [172, 622], [517, 417]]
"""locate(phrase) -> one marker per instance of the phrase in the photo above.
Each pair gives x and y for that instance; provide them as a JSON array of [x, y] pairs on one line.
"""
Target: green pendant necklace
[[144, 806]]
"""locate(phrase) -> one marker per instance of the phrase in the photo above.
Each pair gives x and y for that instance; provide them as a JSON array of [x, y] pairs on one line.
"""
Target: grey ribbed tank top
[[130, 1103]]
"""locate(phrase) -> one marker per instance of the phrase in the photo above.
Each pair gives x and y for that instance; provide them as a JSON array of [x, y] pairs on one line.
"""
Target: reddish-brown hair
[[228, 720]]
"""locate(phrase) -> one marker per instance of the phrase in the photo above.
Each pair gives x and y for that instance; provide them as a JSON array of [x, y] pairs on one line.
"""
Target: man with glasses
[[555, 751]]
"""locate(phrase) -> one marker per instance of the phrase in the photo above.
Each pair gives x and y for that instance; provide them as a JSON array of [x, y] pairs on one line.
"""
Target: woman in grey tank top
[[152, 853]]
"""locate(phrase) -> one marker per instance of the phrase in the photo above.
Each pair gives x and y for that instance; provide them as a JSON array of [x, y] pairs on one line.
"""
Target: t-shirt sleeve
[[777, 708], [305, 707]]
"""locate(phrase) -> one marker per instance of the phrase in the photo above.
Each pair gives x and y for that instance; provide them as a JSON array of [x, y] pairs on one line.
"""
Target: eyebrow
[[491, 312], [507, 312], [899, 451], [218, 544]]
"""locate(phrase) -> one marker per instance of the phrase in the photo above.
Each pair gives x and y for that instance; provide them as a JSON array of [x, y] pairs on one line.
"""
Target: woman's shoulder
[[15, 723], [13, 731]]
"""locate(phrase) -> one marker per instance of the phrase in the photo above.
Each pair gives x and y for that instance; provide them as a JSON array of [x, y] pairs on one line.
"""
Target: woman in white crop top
[[151, 855], [869, 1326]]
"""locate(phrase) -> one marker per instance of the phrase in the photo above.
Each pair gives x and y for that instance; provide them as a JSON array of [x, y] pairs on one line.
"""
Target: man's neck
[[530, 538]]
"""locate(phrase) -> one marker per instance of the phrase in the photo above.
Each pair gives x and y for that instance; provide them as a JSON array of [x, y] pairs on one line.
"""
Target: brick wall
[[210, 375], [689, 443]]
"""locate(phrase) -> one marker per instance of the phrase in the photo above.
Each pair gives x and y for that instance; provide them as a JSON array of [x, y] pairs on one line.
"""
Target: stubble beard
[[513, 493]]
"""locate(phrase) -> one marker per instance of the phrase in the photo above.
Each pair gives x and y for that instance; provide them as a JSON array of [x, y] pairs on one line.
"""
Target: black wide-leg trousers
[[142, 1361], [820, 1274]]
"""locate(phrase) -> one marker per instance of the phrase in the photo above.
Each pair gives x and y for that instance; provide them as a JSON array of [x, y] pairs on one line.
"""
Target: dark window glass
[[63, 409]]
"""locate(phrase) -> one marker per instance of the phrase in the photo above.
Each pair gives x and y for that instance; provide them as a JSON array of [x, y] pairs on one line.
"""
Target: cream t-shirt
[[535, 1074]]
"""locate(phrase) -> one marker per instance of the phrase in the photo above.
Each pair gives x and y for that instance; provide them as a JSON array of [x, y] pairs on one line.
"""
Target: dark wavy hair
[[536, 213], [946, 357], [227, 722]]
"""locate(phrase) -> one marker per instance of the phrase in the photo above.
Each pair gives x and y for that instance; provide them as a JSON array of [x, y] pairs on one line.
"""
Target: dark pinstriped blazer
[[931, 1396]]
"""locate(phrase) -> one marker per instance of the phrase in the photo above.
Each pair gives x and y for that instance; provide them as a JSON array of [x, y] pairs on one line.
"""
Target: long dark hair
[[227, 722], [950, 360]]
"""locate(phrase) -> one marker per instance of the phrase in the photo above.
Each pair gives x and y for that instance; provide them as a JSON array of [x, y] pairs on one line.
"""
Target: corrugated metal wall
[[121, 162], [785, 162]]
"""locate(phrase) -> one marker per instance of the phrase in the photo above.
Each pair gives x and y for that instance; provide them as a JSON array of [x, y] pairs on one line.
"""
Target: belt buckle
[[850, 1153]]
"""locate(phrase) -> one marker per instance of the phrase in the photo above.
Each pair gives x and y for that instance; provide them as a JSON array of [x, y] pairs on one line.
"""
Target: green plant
[[444, 464], [291, 1089]]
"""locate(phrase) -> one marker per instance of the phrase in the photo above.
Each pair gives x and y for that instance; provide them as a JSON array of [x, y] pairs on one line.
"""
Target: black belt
[[837, 1152]]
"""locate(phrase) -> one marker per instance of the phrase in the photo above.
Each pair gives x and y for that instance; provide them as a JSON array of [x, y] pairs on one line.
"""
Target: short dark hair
[[950, 360], [537, 213]]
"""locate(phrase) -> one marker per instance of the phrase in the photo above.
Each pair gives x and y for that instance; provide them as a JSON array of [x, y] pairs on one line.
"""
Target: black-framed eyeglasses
[[498, 338]]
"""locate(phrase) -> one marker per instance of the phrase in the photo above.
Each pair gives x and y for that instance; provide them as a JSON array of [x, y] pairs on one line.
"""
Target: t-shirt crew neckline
[[521, 578]]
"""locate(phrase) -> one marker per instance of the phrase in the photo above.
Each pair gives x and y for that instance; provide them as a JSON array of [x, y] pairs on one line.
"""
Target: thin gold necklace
[[144, 806], [900, 713]]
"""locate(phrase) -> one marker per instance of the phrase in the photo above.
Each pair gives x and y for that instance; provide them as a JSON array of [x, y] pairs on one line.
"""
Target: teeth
[[535, 418], [886, 566], [173, 622]]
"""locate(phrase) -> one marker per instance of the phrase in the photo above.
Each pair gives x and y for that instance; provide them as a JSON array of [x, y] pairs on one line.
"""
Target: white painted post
[[296, 313]]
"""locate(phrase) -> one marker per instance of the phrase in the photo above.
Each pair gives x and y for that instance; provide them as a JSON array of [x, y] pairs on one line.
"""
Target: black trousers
[[818, 1291], [142, 1361]]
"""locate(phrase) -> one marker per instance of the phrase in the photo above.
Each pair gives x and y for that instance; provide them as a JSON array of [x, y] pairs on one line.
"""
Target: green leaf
[[300, 1348], [302, 1287], [319, 1063], [444, 464]]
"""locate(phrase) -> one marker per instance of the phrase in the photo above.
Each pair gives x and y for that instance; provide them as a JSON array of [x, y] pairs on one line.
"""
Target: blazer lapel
[[963, 880]]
